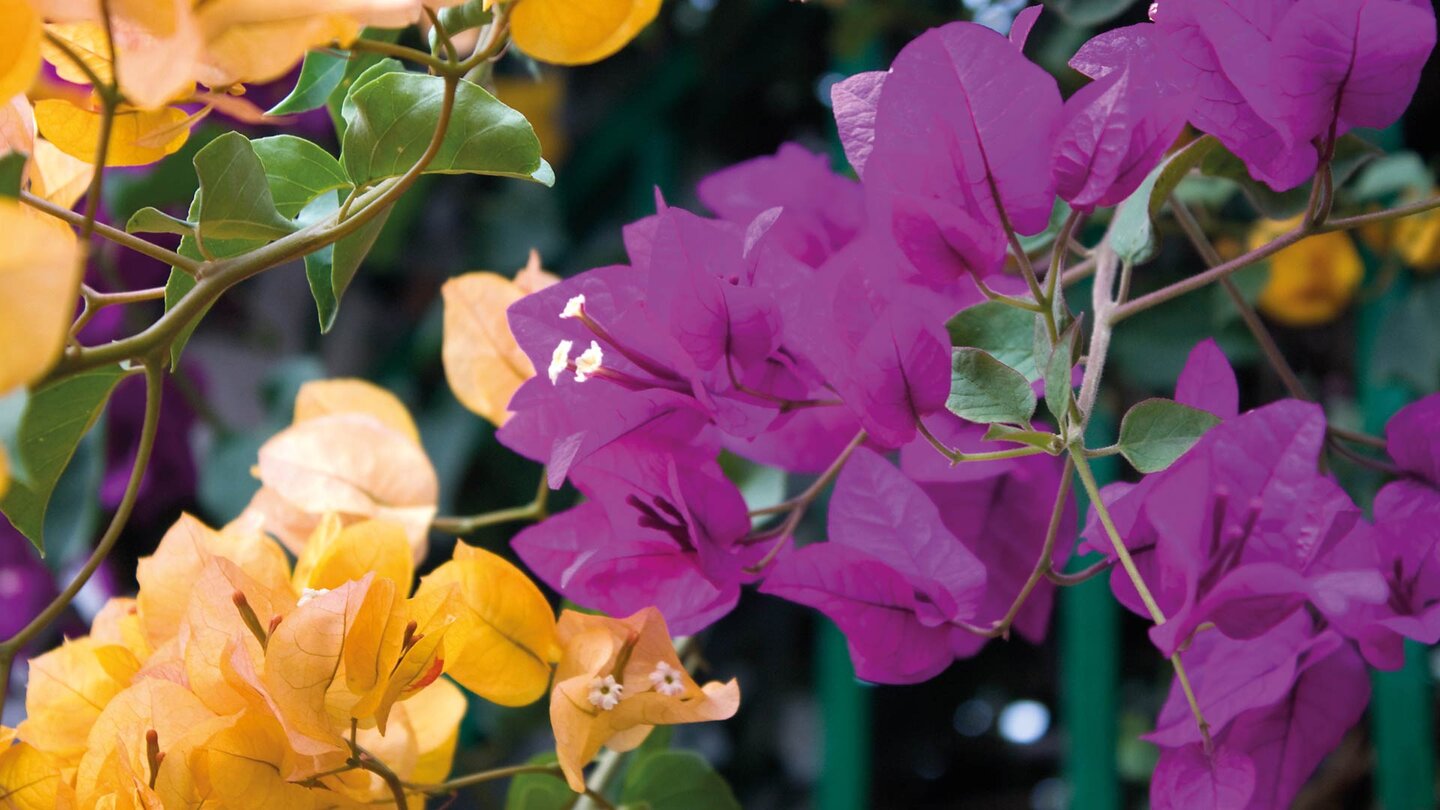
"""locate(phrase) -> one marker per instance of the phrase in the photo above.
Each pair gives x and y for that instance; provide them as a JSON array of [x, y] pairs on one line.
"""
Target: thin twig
[[1092, 489], [1088, 572], [534, 510], [802, 502], [480, 778], [1043, 565], [957, 456], [119, 237]]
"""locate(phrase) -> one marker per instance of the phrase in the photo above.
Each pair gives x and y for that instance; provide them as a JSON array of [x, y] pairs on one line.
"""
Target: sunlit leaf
[[235, 197], [297, 171], [320, 74], [395, 115]]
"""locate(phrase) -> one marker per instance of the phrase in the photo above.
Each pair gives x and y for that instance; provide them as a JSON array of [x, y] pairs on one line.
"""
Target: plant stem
[[58, 605], [403, 52], [1043, 565], [1087, 479], [957, 456], [1347, 223], [481, 777], [1281, 242], [1080, 576], [802, 502], [1196, 234], [534, 510], [119, 237], [607, 765], [365, 761], [1104, 304]]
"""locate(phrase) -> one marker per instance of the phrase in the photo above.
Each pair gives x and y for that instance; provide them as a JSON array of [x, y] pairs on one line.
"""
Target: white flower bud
[[560, 360]]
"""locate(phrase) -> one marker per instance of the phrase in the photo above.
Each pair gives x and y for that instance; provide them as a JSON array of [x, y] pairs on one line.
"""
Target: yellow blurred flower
[[1311, 282], [1417, 240], [577, 32]]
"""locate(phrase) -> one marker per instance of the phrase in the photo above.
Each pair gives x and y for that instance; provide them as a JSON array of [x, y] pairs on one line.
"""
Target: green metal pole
[[1089, 667], [845, 714], [1402, 709]]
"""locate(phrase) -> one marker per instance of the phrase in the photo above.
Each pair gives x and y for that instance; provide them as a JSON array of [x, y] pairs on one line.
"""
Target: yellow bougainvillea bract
[[39, 271], [352, 450], [483, 362]]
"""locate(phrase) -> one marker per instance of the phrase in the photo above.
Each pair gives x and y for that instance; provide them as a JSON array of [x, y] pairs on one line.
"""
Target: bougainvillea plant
[[893, 337]]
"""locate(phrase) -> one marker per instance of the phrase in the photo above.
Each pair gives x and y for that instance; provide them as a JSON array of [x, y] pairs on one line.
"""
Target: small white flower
[[573, 307], [666, 680], [605, 692], [589, 362], [311, 593], [560, 360]]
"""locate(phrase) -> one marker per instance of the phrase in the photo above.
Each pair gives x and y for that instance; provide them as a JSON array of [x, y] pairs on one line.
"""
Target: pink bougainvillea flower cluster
[[802, 326], [809, 313], [1277, 591]]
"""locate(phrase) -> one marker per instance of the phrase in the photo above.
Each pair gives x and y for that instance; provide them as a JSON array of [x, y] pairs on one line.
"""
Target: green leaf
[[1132, 233], [55, 419], [1048, 442], [983, 389], [319, 265], [297, 171], [1088, 12], [153, 220], [1058, 391], [1006, 332], [394, 118], [235, 198], [320, 74], [358, 65], [1391, 176], [468, 15], [677, 780], [374, 69], [1157, 431], [539, 791], [12, 171], [1351, 153], [352, 250]]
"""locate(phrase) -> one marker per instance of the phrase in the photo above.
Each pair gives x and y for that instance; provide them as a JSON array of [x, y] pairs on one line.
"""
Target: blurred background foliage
[[714, 82]]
